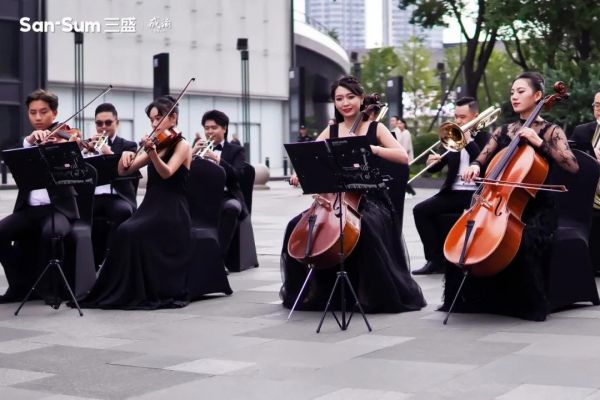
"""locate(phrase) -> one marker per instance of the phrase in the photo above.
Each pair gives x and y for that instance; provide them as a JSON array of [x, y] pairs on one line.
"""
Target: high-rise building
[[397, 29], [344, 18]]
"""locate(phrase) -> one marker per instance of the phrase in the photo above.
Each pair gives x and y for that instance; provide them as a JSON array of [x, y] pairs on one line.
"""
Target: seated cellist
[[518, 290], [377, 267]]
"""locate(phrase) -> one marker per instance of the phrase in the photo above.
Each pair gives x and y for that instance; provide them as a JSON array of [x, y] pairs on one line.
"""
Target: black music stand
[[335, 166], [44, 167], [106, 167]]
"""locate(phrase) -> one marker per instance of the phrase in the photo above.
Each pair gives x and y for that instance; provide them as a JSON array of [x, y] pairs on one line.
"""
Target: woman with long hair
[[149, 257]]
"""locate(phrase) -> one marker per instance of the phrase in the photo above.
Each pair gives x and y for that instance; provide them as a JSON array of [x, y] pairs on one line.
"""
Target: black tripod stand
[[343, 281], [50, 167], [335, 166]]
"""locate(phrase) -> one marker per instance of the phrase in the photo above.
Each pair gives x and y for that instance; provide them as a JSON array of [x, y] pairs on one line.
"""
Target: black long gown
[[149, 258], [518, 290], [377, 267]]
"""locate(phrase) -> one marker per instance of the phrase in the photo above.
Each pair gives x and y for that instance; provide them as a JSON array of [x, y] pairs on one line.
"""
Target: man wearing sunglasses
[[117, 201]]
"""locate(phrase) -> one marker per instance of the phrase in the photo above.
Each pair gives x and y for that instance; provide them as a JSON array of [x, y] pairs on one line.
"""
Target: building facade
[[397, 29], [345, 19], [200, 37]]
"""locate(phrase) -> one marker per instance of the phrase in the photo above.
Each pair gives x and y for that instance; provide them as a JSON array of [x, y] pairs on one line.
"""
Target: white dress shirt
[[37, 197]]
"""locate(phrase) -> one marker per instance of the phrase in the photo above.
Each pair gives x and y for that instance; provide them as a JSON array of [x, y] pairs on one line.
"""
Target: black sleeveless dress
[[377, 267], [149, 258]]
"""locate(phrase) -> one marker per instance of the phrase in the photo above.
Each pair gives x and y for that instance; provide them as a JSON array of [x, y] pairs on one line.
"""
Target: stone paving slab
[[243, 347]]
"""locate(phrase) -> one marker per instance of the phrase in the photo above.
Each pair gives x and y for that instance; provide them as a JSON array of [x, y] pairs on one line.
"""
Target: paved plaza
[[242, 346]]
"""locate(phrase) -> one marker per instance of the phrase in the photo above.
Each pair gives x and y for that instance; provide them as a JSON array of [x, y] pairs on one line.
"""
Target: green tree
[[479, 44], [420, 83], [413, 65], [497, 79], [560, 39], [377, 67]]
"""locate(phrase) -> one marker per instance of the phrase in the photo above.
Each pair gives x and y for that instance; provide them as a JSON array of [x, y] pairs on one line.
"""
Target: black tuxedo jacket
[[584, 133], [233, 159], [62, 198], [125, 188], [452, 159]]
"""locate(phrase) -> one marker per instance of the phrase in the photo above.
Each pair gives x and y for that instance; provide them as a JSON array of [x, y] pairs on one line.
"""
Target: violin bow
[[139, 151], [62, 124]]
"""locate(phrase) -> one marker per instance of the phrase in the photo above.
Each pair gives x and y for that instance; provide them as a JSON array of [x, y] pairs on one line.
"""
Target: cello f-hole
[[497, 211]]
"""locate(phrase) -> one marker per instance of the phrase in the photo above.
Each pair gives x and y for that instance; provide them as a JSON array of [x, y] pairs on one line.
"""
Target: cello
[[486, 238], [316, 239]]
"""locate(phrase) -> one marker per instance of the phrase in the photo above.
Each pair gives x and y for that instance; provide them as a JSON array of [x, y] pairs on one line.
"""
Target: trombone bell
[[452, 136]]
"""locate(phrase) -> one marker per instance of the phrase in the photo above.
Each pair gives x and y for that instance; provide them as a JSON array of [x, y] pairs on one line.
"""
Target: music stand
[[335, 166], [44, 167]]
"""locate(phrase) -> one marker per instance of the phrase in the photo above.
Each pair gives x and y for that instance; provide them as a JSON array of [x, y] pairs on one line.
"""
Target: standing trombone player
[[464, 140]]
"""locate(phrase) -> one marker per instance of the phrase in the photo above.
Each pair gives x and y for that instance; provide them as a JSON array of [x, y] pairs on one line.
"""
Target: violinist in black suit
[[117, 201], [38, 213], [585, 133], [232, 158], [454, 195]]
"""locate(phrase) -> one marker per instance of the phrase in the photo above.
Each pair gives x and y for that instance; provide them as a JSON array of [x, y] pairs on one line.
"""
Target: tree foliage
[[479, 44], [377, 67], [559, 38]]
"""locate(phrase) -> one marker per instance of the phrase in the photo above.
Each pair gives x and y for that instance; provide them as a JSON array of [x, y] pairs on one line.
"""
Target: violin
[[486, 238], [164, 139], [70, 135], [63, 131]]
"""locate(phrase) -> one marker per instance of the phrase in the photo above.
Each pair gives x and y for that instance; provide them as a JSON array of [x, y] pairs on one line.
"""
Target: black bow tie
[[218, 147]]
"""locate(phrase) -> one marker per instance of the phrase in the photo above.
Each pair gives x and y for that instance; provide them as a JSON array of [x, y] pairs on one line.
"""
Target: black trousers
[[426, 215], [113, 210], [230, 214], [31, 229]]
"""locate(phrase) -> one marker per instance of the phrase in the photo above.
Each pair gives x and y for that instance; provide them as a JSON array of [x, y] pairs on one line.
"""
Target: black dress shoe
[[8, 298], [429, 268], [53, 301]]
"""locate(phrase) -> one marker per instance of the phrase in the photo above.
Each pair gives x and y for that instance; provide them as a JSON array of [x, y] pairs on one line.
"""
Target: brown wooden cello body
[[486, 238], [319, 244], [497, 230], [316, 238]]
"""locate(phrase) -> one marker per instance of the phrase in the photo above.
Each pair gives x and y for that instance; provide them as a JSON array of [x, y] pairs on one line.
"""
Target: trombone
[[452, 136]]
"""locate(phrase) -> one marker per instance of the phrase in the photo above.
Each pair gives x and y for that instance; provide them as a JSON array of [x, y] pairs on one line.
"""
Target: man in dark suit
[[454, 195], [585, 133], [232, 158], [115, 202], [303, 135], [37, 213]]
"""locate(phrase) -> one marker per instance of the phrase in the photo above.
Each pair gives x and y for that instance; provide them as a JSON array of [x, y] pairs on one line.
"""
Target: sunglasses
[[108, 122]]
